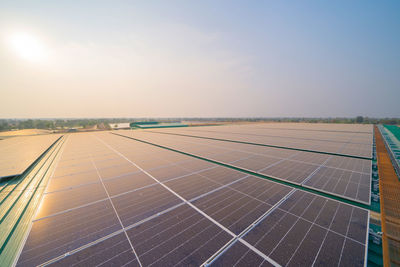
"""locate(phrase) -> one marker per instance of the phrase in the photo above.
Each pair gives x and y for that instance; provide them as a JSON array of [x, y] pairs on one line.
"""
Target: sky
[[72, 59]]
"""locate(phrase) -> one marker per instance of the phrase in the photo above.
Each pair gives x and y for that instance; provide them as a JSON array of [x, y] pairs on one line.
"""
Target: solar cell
[[115, 171], [240, 255], [256, 162], [128, 182], [168, 172], [192, 186]]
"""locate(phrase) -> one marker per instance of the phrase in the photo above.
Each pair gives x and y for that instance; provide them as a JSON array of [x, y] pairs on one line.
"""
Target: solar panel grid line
[[219, 252], [347, 231], [54, 260], [306, 233], [218, 188], [232, 210], [313, 223], [251, 152], [316, 165], [298, 138], [257, 251], [68, 243], [339, 195], [69, 210], [261, 154], [112, 178], [229, 185], [124, 193], [276, 163], [262, 217], [37, 211], [63, 176], [116, 213], [274, 178], [242, 193], [366, 238], [170, 190], [269, 145], [290, 228], [315, 171], [69, 188], [314, 130], [244, 256], [183, 199], [179, 245], [112, 234], [326, 234], [153, 216], [248, 229]]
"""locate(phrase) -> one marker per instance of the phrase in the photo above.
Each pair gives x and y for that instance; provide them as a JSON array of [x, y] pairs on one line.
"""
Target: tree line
[[53, 124]]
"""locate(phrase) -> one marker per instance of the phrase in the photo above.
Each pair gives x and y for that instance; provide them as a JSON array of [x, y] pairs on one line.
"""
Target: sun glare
[[27, 46]]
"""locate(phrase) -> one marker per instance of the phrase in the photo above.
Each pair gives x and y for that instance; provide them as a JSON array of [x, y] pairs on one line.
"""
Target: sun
[[27, 46]]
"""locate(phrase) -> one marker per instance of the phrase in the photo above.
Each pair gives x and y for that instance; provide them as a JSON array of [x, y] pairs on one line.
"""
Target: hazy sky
[[203, 58]]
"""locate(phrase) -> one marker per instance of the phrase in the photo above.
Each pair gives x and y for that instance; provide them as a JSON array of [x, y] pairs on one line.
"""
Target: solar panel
[[343, 176], [307, 229], [152, 206], [18, 153], [56, 235], [351, 143]]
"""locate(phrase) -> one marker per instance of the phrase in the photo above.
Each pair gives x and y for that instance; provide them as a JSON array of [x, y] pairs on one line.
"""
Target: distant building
[[119, 126], [156, 124]]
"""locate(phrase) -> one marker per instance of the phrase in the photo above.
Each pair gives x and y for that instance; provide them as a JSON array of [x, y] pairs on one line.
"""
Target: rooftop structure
[[270, 194]]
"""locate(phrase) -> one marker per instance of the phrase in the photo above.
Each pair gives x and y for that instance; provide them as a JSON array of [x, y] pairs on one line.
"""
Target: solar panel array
[[340, 139], [18, 153], [343, 176], [116, 201]]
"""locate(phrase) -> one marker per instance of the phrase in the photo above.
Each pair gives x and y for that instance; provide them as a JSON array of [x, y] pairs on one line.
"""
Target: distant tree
[[359, 119]]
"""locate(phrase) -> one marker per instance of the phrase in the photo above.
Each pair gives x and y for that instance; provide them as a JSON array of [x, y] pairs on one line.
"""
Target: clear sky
[[199, 59]]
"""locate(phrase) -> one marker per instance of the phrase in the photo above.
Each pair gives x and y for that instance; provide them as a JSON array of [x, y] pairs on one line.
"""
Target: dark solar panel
[[344, 183], [303, 168], [135, 206], [56, 235], [181, 237], [114, 251], [195, 214], [297, 231]]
